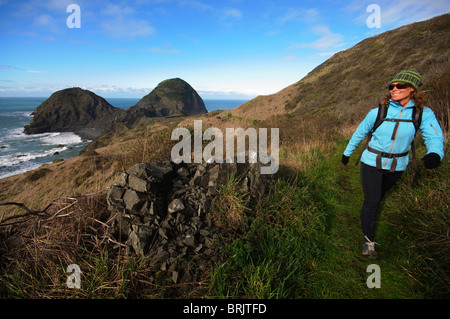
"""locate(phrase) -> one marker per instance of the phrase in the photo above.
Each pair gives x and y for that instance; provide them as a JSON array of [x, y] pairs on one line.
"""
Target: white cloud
[[44, 20], [115, 10], [58, 5], [229, 94], [197, 5], [119, 23], [158, 50], [127, 28], [48, 22], [299, 15], [326, 41], [289, 58], [397, 13], [232, 14], [117, 91], [412, 11], [9, 67]]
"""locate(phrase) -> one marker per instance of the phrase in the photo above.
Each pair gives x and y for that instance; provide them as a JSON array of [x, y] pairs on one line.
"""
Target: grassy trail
[[305, 241], [343, 272]]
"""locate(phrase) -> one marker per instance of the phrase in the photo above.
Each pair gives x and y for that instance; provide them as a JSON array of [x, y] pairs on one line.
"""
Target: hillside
[[337, 94]]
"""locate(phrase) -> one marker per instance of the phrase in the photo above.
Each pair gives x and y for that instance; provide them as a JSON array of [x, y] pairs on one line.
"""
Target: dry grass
[[79, 175], [37, 251]]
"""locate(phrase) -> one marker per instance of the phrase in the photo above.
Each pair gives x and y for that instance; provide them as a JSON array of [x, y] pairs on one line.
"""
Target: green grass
[[280, 245], [276, 251], [305, 240]]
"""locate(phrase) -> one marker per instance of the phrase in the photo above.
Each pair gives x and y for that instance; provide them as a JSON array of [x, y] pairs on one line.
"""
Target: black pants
[[375, 183]]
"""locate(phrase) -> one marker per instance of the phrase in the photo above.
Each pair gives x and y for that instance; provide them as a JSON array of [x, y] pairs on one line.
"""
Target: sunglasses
[[399, 86]]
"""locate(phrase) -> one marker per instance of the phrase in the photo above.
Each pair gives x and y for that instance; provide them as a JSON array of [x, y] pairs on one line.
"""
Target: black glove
[[345, 159], [431, 160]]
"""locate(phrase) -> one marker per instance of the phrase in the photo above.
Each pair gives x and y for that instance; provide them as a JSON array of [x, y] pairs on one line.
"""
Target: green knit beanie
[[410, 76]]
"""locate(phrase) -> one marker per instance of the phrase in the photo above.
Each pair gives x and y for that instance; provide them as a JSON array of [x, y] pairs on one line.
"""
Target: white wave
[[18, 170], [27, 114], [66, 138], [18, 134], [17, 159]]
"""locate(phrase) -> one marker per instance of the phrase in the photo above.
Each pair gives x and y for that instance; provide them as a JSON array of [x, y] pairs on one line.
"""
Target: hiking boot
[[369, 249]]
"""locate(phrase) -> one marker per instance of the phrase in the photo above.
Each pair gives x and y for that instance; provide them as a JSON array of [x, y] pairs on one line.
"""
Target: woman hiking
[[386, 157]]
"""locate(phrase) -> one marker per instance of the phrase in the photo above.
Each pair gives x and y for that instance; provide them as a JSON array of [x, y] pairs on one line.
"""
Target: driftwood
[[43, 214]]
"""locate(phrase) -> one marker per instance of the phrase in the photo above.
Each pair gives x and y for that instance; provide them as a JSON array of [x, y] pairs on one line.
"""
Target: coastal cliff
[[74, 110], [89, 115]]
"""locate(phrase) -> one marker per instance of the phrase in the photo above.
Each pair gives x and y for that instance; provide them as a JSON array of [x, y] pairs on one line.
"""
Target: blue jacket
[[381, 138]]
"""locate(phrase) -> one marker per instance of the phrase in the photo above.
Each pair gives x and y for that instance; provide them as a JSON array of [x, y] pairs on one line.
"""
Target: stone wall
[[163, 210]]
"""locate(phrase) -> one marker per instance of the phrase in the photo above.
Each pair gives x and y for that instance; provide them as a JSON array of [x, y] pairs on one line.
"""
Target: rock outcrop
[[74, 110], [170, 97], [163, 210], [89, 115]]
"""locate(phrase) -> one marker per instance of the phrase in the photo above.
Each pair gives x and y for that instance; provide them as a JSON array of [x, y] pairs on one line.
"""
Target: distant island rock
[[89, 115], [173, 97], [74, 110]]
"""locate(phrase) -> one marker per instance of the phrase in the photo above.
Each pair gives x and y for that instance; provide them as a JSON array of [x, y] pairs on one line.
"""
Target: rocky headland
[[173, 97], [74, 110], [89, 115]]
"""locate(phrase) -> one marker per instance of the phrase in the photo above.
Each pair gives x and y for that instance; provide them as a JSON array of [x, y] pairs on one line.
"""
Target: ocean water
[[20, 153]]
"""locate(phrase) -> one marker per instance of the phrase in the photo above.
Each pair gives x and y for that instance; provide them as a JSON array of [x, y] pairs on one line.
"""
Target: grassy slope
[[343, 273], [309, 246], [303, 241]]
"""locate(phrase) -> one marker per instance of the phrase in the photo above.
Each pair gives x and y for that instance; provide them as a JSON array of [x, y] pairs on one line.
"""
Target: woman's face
[[401, 95]]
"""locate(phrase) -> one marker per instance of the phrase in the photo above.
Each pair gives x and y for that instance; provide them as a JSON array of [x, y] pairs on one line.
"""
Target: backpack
[[416, 119]]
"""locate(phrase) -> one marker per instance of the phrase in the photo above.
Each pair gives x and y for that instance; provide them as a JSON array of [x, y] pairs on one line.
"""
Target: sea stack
[[89, 115], [74, 110], [171, 97]]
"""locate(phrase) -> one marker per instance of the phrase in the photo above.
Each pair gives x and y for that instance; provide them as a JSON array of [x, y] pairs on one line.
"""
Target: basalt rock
[[172, 97], [74, 110], [163, 210], [89, 115]]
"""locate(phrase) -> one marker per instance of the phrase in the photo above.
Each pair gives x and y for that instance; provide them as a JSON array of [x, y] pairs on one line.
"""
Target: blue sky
[[228, 49]]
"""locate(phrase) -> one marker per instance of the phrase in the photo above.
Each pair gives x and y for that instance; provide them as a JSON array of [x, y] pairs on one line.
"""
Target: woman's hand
[[345, 159], [431, 160]]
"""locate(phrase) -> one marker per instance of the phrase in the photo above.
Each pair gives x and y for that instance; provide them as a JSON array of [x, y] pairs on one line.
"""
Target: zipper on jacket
[[394, 133], [431, 124]]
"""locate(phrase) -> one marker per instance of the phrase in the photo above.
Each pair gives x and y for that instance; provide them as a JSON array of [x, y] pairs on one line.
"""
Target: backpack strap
[[417, 120], [388, 155], [381, 117]]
